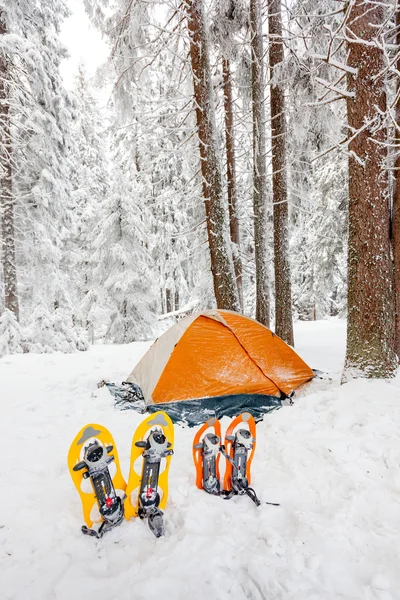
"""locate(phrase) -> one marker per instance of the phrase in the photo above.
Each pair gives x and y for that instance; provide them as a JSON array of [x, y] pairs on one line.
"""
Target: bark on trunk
[[7, 200], [396, 207], [169, 300], [283, 289], [259, 168], [231, 178], [218, 234], [370, 330]]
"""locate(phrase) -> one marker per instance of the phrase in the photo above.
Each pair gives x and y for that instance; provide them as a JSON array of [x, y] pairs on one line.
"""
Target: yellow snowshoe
[[95, 470], [147, 489]]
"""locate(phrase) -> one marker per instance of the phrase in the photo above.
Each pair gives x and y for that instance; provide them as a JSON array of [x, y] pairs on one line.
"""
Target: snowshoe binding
[[108, 510], [239, 448], [95, 462], [206, 456], [153, 445]]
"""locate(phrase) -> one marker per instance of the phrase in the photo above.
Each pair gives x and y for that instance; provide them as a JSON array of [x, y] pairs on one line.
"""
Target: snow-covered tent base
[[213, 364], [193, 412]]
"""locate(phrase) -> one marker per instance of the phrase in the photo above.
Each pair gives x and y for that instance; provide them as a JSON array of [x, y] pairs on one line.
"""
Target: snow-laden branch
[[335, 63], [343, 143], [185, 309], [332, 88]]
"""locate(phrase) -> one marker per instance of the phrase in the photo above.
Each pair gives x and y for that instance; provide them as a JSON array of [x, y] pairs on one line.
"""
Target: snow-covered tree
[[11, 336], [317, 176], [371, 310], [283, 286], [221, 256], [90, 189], [41, 117], [121, 257], [7, 198], [153, 110]]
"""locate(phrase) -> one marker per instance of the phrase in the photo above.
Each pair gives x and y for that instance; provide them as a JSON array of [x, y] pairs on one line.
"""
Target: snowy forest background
[[231, 144]]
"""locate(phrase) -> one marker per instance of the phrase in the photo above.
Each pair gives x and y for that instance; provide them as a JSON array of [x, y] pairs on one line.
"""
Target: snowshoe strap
[[252, 495], [242, 484], [226, 455], [105, 526], [228, 494]]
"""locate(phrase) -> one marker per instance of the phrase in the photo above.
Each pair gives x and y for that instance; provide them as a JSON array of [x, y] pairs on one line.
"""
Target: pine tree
[[90, 188], [41, 115], [396, 200], [121, 257], [151, 105], [283, 289], [11, 336], [317, 165], [231, 177], [259, 166], [218, 234], [7, 200], [370, 332], [229, 18]]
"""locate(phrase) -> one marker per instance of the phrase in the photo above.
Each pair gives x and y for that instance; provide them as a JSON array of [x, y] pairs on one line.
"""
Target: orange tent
[[218, 353]]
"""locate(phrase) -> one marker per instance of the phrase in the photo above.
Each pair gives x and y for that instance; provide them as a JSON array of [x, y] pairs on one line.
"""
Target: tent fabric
[[218, 353], [209, 361], [278, 361], [149, 369]]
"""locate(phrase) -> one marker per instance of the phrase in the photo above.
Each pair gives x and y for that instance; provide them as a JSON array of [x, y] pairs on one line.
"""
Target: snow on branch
[[343, 143], [175, 313], [332, 88], [335, 63]]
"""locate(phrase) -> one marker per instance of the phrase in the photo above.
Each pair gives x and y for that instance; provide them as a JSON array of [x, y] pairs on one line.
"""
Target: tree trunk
[[231, 178], [396, 206], [218, 234], [259, 168], [370, 322], [283, 290], [169, 300], [162, 303], [7, 200]]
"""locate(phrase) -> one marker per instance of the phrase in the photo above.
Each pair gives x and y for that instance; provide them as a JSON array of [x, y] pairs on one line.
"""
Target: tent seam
[[225, 324]]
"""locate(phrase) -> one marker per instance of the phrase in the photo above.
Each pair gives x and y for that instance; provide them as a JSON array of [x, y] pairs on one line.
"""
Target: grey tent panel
[[195, 412], [128, 396]]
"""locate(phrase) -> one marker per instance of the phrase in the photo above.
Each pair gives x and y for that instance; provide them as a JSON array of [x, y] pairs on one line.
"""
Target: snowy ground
[[331, 460]]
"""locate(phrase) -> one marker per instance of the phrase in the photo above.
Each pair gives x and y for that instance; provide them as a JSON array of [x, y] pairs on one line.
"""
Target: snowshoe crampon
[[95, 470], [147, 489]]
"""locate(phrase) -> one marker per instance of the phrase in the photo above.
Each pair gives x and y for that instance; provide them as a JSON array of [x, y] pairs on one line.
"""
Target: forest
[[199, 299], [245, 158]]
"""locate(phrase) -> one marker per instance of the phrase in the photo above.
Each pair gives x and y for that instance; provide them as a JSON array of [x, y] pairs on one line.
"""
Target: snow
[[331, 460]]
